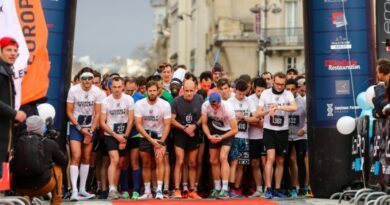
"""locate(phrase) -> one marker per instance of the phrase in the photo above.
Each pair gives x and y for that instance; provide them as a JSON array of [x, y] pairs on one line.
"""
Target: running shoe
[[177, 194], [103, 195], [74, 196], [235, 194], [194, 195], [309, 193], [185, 194], [146, 196], [268, 194], [166, 194], [214, 194], [256, 194], [125, 195], [86, 195], [113, 195], [224, 194], [293, 193], [279, 194], [159, 195], [135, 195]]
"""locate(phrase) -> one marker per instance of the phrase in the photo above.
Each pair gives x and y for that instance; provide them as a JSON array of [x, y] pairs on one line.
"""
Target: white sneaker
[[159, 195], [256, 194], [146, 196], [75, 196], [86, 195]]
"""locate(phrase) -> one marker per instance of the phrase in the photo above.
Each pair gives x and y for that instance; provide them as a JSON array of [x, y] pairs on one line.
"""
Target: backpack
[[29, 157]]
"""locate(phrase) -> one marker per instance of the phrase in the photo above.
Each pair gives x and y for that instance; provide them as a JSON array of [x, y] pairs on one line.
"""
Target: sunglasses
[[86, 78]]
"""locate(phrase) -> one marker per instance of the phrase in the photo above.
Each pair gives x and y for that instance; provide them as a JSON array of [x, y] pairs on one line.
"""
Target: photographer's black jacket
[[7, 110], [54, 154]]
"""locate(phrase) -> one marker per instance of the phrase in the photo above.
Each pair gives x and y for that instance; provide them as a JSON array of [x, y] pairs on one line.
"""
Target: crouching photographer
[[37, 161]]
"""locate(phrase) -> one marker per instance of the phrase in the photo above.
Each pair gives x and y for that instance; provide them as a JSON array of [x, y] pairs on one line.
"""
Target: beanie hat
[[8, 41], [35, 124]]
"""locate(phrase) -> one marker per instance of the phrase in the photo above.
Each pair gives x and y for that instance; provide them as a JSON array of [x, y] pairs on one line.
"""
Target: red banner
[[32, 20]]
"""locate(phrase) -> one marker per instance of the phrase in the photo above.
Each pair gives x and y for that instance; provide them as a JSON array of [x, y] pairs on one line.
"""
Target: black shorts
[[225, 142], [133, 143], [185, 142], [201, 136], [277, 140], [170, 143], [145, 146], [300, 146], [257, 148], [113, 144]]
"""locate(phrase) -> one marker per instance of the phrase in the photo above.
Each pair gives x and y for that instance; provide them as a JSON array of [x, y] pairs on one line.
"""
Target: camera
[[50, 132]]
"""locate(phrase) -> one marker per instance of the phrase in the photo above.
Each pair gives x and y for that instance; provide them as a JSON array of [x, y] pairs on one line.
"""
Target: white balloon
[[370, 94], [46, 110], [346, 125]]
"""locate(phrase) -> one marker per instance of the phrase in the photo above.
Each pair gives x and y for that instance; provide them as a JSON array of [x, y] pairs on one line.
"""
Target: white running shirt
[[220, 118], [117, 112], [255, 133], [153, 116], [84, 103], [246, 107], [280, 120]]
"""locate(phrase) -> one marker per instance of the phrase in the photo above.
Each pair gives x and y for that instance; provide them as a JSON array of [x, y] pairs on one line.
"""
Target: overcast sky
[[106, 29]]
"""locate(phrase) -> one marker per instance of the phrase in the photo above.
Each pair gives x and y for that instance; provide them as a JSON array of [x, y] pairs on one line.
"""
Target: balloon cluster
[[346, 124]]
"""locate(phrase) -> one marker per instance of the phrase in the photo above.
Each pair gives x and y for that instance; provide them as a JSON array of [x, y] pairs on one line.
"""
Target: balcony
[[279, 38]]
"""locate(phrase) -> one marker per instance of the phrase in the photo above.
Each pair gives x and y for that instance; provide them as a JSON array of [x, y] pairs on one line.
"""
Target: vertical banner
[[32, 20], [10, 26], [339, 65], [383, 28]]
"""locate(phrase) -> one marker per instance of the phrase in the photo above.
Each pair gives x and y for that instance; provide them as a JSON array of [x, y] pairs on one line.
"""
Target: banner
[[32, 20], [383, 28], [10, 27]]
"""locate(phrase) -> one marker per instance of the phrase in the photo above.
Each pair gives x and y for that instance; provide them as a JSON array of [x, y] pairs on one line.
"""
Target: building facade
[[200, 32]]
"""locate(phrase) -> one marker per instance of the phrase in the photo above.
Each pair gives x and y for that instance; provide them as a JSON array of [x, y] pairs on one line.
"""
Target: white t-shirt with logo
[[297, 120], [117, 112], [153, 116], [280, 119], [84, 103], [255, 133], [246, 107], [220, 119]]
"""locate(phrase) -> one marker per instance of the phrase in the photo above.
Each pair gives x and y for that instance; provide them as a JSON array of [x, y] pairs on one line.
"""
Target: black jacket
[[7, 111], [54, 155]]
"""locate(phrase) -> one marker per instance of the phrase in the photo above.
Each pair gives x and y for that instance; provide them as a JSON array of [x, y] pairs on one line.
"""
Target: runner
[[82, 108], [133, 145], [219, 125], [117, 116], [257, 151], [186, 112], [239, 154], [267, 76], [275, 104], [152, 119]]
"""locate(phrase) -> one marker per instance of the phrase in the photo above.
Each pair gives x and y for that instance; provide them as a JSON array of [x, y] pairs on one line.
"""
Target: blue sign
[[57, 20], [340, 42]]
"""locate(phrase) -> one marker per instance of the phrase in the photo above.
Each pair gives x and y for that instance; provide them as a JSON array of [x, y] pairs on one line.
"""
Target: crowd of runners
[[176, 135]]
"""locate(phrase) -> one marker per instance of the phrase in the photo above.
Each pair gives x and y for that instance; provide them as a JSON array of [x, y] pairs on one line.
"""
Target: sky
[[107, 29]]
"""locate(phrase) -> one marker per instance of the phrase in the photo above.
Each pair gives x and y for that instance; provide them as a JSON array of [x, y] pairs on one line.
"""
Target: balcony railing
[[284, 37]]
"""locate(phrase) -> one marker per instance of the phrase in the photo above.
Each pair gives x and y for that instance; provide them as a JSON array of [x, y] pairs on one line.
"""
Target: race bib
[[293, 120], [277, 120], [242, 126], [120, 128], [243, 156], [217, 122], [84, 119]]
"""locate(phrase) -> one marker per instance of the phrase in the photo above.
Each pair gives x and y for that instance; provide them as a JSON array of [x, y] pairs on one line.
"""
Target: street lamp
[[264, 41]]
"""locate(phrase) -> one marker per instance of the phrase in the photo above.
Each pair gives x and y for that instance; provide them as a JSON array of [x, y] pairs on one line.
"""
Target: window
[[291, 16], [290, 62]]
